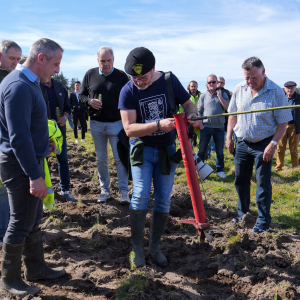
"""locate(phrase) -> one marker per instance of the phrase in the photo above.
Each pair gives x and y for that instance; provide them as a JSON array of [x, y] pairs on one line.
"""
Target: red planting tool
[[202, 224]]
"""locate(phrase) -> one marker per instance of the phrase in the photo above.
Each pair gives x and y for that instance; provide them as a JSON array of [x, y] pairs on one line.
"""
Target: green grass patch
[[132, 287]]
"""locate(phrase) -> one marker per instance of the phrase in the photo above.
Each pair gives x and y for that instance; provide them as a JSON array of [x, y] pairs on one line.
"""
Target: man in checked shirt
[[257, 137]]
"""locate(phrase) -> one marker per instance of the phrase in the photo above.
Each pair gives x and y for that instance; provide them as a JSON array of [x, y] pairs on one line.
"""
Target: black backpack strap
[[173, 106]]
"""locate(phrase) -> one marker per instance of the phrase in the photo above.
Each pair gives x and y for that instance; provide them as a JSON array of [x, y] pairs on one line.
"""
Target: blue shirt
[[254, 127], [152, 104]]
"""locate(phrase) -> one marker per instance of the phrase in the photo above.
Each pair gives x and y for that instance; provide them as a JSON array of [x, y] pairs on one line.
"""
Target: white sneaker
[[103, 197], [76, 141], [221, 174], [83, 140], [124, 197]]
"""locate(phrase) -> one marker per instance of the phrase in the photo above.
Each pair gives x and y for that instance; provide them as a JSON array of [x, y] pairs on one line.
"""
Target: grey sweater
[[209, 105]]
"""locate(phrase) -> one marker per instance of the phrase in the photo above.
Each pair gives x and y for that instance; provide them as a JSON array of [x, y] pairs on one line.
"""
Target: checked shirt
[[254, 127]]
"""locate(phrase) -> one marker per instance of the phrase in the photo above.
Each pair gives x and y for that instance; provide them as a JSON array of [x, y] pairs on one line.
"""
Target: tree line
[[68, 84]]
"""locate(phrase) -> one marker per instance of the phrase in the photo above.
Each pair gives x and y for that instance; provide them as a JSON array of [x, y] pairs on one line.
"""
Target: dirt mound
[[92, 241]]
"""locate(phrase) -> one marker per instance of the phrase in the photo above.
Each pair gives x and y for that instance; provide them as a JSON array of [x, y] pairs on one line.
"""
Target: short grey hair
[[251, 62], [5, 45], [105, 48], [222, 78], [46, 46], [213, 75]]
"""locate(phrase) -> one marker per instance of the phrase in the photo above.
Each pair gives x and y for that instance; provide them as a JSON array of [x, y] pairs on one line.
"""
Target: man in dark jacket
[[58, 98], [10, 55], [292, 130], [78, 112]]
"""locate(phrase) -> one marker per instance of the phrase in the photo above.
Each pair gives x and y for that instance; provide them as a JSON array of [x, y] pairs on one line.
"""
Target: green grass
[[285, 208], [132, 287]]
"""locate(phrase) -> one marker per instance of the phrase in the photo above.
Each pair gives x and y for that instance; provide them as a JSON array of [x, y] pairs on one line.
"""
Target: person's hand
[[167, 125], [219, 93], [52, 147], [62, 121], [38, 188], [95, 103], [269, 152], [194, 123], [230, 145]]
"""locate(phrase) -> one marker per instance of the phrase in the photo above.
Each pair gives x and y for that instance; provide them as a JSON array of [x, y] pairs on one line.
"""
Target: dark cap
[[290, 83], [139, 61]]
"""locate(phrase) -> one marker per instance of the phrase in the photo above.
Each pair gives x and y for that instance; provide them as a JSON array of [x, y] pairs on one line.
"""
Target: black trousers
[[79, 115], [26, 210]]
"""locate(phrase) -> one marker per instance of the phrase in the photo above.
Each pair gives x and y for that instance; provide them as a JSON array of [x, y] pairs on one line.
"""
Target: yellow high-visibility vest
[[56, 136]]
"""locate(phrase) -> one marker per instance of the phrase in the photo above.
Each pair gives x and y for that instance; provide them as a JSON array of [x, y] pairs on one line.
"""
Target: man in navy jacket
[[58, 97]]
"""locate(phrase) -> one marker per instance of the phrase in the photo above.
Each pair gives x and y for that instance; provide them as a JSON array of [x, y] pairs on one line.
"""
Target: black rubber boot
[[137, 223], [158, 224], [11, 280], [33, 257]]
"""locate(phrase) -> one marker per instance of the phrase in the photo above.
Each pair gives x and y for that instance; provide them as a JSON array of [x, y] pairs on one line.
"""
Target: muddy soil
[[92, 241]]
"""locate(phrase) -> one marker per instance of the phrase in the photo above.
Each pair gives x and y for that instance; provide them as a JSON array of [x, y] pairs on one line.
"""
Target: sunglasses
[[211, 82]]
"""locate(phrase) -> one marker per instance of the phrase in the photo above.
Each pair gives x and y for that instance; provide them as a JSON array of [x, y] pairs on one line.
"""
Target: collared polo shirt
[[254, 127]]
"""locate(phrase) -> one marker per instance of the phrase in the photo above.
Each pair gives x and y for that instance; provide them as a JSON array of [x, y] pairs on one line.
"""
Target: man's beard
[[146, 86], [142, 88]]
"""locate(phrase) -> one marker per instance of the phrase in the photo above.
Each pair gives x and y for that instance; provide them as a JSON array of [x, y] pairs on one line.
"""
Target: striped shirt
[[254, 127]]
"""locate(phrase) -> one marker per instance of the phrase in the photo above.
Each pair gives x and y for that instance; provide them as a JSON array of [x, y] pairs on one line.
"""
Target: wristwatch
[[274, 143], [65, 117]]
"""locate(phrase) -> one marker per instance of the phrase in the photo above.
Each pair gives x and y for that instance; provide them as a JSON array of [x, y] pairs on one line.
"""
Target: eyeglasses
[[139, 79], [250, 77], [221, 82], [211, 82]]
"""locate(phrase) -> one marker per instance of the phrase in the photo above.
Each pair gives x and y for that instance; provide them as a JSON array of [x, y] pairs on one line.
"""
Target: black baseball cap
[[290, 83], [139, 61]]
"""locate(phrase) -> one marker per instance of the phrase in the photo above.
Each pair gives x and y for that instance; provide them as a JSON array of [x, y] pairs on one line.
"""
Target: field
[[92, 241]]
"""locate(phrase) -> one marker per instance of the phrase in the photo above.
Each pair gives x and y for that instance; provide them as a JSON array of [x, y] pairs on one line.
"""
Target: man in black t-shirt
[[147, 120], [106, 82]]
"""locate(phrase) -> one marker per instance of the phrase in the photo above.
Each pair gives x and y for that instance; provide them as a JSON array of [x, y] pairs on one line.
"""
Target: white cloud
[[190, 47]]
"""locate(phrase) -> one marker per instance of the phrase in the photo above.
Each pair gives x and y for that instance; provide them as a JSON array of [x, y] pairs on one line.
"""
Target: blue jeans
[[211, 146], [142, 179], [26, 210], [101, 132], [247, 154], [63, 166], [4, 212], [70, 121], [218, 136]]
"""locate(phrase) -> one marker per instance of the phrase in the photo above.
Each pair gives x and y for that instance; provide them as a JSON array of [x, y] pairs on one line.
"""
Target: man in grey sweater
[[213, 102]]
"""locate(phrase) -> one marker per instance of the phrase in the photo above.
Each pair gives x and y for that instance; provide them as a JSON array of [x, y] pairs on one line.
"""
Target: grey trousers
[[26, 210]]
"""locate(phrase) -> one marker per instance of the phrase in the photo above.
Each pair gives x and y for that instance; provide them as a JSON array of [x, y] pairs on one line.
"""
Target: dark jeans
[[63, 166], [26, 210], [77, 114], [218, 135], [247, 154]]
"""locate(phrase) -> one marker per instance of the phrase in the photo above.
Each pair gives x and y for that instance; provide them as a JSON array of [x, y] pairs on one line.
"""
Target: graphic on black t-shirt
[[152, 109]]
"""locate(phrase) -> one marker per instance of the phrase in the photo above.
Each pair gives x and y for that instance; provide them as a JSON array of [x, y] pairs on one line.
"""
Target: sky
[[190, 38]]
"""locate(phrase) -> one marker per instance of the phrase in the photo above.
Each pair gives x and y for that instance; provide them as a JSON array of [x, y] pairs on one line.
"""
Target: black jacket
[[75, 104], [62, 98]]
